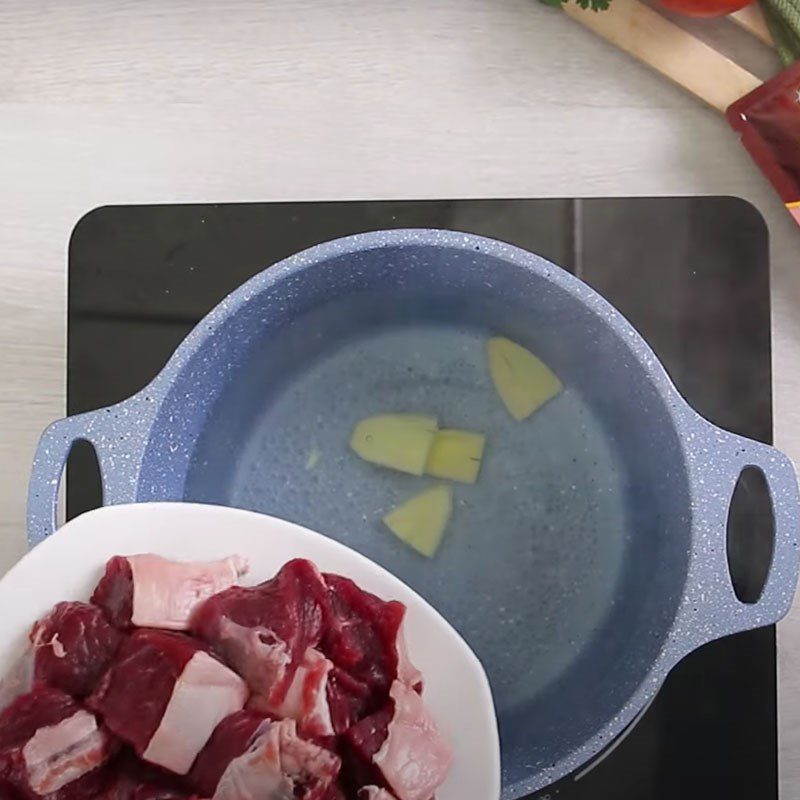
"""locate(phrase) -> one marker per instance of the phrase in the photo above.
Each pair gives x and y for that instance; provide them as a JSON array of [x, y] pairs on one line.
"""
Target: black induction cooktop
[[691, 274]]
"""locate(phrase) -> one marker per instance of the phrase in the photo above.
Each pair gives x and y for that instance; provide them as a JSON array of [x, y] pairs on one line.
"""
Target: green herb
[[783, 20], [595, 5]]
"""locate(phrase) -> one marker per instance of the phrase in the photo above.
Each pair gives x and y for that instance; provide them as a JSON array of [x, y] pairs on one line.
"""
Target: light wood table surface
[[137, 101]]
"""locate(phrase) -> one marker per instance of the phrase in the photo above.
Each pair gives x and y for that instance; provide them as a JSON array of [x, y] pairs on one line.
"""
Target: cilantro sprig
[[594, 5]]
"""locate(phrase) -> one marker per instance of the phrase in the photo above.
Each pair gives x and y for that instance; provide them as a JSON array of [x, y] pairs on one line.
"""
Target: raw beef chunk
[[306, 699], [52, 747], [18, 680], [365, 637], [362, 741], [230, 739], [8, 792], [279, 764], [72, 647], [32, 711], [374, 793], [133, 779], [348, 699], [150, 591], [123, 787], [165, 695], [114, 593], [264, 632], [405, 749]]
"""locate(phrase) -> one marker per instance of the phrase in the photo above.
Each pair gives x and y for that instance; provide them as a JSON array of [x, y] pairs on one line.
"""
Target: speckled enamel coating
[[143, 456]]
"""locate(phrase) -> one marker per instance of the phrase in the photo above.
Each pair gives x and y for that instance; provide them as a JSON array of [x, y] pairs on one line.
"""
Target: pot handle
[[51, 455], [720, 459]]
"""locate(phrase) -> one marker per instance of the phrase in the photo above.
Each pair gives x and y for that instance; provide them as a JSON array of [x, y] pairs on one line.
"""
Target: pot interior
[[562, 566]]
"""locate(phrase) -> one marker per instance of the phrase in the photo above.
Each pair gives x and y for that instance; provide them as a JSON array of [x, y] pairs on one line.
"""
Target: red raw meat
[[134, 693], [133, 779], [73, 645], [114, 593], [32, 711], [278, 763], [83, 788], [361, 743], [165, 695], [230, 739], [125, 787], [149, 591], [18, 680], [348, 699], [51, 747], [264, 632], [147, 792], [365, 638], [374, 793], [8, 792], [399, 748], [306, 700]]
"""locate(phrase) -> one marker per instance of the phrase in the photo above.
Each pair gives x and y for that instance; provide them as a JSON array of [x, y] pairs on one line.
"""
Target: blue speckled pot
[[591, 555]]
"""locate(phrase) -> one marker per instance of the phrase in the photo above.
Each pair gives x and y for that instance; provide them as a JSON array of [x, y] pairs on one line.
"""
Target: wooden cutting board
[[674, 52]]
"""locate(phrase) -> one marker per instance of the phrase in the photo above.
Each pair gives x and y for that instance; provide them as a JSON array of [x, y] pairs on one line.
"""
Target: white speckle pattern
[[145, 444]]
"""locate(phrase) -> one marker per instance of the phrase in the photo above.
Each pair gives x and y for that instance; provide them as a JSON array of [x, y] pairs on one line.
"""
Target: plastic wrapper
[[768, 121]]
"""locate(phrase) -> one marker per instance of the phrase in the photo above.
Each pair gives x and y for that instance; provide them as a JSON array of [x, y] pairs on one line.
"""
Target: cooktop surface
[[692, 274]]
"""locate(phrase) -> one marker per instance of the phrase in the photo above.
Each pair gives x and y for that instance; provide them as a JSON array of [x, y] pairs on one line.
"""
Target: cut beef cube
[[73, 645], [147, 791], [133, 695], [361, 743], [18, 680], [153, 592], [59, 754], [402, 747], [8, 792], [165, 695], [40, 708], [132, 783], [114, 593], [256, 654], [230, 739], [264, 632], [414, 759], [124, 787], [407, 673], [50, 746], [374, 793], [348, 699], [85, 787], [365, 637], [133, 779], [306, 700], [279, 764]]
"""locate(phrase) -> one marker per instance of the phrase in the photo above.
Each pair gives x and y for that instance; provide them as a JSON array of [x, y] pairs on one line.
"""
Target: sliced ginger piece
[[456, 455], [399, 441], [314, 455], [523, 381], [421, 521]]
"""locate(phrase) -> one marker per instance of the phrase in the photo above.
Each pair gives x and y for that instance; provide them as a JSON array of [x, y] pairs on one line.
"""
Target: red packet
[[768, 120]]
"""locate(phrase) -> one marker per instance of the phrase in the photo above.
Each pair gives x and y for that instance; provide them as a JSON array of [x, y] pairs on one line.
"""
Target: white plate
[[68, 565]]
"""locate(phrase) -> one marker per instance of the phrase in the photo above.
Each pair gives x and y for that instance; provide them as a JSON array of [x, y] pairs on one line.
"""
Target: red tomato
[[704, 8]]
